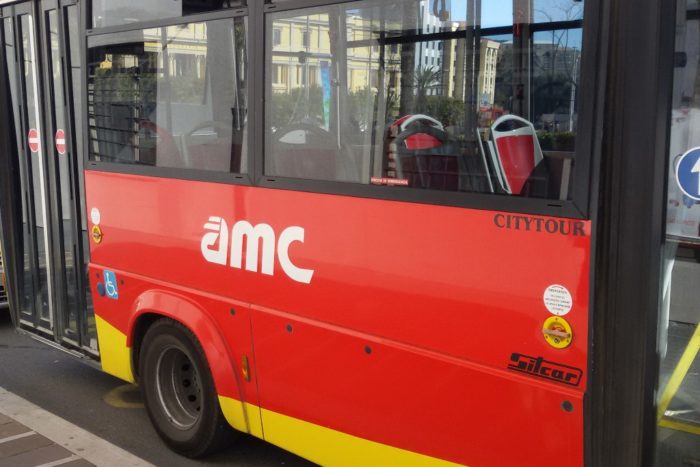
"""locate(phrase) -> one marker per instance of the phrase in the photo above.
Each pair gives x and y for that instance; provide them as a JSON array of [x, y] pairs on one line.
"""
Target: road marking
[[691, 351], [680, 426], [115, 397], [19, 436], [77, 440], [60, 461]]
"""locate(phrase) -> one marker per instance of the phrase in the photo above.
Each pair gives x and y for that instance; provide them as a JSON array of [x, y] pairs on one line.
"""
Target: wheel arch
[[153, 305]]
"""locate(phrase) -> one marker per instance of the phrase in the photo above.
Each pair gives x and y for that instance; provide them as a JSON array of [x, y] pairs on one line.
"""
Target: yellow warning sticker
[[557, 332]]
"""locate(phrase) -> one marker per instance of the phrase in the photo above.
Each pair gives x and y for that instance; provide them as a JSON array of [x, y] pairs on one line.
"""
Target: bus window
[[174, 96], [392, 94]]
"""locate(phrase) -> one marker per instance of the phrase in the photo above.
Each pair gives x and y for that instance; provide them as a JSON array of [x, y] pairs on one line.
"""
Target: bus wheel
[[179, 392]]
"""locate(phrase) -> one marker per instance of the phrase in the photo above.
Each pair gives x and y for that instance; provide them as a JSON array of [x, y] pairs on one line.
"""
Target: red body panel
[[443, 297], [413, 399]]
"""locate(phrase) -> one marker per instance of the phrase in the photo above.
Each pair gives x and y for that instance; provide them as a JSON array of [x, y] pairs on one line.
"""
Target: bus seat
[[303, 151], [165, 152], [515, 153], [426, 158], [209, 146]]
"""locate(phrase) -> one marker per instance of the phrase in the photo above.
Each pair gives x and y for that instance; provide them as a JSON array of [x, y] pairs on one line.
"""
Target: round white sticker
[[95, 216], [557, 299]]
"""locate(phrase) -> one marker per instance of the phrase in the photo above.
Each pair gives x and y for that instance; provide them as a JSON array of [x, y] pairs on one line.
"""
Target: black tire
[[179, 392]]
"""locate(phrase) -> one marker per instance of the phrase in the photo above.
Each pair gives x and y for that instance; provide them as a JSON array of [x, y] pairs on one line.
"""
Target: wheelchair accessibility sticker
[[111, 285]]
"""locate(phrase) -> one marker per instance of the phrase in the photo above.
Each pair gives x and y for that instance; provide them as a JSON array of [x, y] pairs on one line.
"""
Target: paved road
[[75, 391]]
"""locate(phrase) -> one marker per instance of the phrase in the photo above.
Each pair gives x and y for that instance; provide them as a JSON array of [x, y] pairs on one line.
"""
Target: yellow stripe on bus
[[243, 417], [319, 444], [115, 356], [325, 446]]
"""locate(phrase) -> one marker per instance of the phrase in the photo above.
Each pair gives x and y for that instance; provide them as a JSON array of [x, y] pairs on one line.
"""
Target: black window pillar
[[632, 134]]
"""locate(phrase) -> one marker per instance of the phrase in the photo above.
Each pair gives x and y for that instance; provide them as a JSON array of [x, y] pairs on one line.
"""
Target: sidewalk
[[32, 437]]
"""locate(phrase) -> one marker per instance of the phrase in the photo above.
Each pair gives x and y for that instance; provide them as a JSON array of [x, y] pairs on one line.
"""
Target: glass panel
[[36, 160], [391, 94], [110, 13], [556, 63], [73, 28], [496, 13], [170, 97], [497, 80], [61, 153], [547, 11], [26, 284], [678, 395]]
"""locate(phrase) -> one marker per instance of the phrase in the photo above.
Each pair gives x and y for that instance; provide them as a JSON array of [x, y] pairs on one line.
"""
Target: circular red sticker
[[34, 141], [61, 142]]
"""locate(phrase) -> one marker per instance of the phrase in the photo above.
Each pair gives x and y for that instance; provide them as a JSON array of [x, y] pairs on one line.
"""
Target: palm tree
[[425, 78]]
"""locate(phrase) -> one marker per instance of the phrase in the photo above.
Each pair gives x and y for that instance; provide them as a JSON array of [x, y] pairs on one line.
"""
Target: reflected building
[[488, 70], [434, 56], [300, 45], [555, 72], [371, 57]]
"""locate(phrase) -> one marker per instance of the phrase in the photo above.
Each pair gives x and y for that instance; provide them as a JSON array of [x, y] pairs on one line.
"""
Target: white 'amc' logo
[[215, 243]]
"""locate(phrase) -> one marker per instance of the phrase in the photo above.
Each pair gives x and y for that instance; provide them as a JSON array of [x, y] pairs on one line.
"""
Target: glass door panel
[[678, 395], [36, 169], [75, 89], [67, 288], [26, 253]]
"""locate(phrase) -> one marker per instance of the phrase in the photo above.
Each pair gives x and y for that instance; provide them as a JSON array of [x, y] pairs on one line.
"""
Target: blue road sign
[[688, 173], [111, 285]]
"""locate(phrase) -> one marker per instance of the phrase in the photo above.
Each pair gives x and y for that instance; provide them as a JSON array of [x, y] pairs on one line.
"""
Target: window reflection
[[170, 97], [417, 93]]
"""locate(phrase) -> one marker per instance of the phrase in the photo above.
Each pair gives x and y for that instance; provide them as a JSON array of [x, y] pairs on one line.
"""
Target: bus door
[[678, 343], [41, 49]]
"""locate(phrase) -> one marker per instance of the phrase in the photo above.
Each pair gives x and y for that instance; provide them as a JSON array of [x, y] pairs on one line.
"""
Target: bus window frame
[[225, 13], [587, 140], [153, 171]]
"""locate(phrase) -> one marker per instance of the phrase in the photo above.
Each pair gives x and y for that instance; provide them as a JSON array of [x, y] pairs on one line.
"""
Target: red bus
[[388, 232]]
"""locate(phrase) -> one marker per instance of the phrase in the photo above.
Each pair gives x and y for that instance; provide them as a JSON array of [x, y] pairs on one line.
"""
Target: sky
[[500, 12]]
